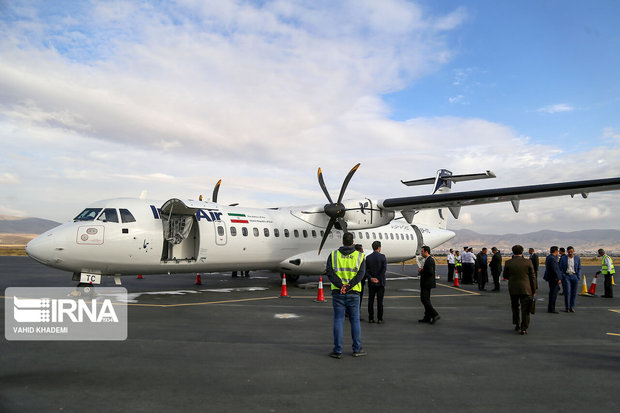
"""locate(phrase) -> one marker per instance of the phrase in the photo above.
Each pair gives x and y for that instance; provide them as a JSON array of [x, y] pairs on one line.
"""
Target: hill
[[17, 225], [585, 241]]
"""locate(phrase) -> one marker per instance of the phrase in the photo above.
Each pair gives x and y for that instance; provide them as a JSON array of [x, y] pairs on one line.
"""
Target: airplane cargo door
[[220, 232]]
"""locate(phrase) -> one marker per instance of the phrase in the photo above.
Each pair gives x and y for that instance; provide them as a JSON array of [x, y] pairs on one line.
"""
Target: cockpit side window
[[108, 215], [126, 216], [89, 214]]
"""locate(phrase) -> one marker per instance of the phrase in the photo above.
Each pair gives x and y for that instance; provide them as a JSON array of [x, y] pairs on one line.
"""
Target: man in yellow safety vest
[[345, 269], [608, 270]]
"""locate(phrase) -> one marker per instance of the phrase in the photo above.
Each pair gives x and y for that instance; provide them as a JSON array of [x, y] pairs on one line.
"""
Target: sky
[[106, 99]]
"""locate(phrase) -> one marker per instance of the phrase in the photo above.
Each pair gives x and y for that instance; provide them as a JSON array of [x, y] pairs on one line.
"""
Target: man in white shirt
[[451, 265]]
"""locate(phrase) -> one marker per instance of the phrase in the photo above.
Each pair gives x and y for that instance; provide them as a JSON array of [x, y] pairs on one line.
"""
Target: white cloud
[[8, 179], [560, 107]]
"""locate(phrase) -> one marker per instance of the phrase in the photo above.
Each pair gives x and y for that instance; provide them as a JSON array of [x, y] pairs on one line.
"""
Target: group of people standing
[[475, 268], [347, 268]]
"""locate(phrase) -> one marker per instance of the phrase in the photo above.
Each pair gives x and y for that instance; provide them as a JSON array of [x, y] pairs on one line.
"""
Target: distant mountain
[[17, 225], [585, 241]]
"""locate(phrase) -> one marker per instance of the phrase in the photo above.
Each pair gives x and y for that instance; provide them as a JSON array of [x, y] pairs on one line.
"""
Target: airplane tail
[[442, 183]]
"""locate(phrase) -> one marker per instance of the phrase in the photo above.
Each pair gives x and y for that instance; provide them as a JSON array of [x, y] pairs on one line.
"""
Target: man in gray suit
[[522, 286]]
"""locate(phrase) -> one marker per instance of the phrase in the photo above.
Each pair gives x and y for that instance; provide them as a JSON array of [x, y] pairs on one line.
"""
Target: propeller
[[216, 190], [335, 210]]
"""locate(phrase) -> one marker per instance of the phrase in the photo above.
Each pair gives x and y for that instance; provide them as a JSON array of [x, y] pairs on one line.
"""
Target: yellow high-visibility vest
[[346, 267], [604, 268]]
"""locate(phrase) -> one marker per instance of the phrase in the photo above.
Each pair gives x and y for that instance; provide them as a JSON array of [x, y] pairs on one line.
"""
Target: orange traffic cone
[[592, 289], [584, 288], [283, 292], [456, 279], [320, 298], [198, 279], [139, 276]]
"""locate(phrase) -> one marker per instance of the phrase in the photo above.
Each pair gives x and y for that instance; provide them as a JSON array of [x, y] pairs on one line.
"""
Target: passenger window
[[89, 214], [361, 236], [296, 233], [313, 234], [126, 216], [391, 235], [108, 215], [322, 233], [286, 233], [374, 235], [305, 233], [233, 231], [220, 230], [276, 232], [402, 237], [386, 236], [367, 236], [380, 236], [266, 231], [244, 231], [255, 230]]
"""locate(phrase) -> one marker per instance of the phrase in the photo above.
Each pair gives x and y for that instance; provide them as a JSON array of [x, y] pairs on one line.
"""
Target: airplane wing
[[455, 200]]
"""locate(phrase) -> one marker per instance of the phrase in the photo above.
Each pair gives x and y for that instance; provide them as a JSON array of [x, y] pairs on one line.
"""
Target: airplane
[[126, 236]]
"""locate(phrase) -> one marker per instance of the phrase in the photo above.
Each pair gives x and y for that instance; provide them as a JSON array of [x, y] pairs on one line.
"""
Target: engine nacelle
[[364, 213]]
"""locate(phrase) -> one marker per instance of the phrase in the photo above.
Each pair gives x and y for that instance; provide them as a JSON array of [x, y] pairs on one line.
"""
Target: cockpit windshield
[[89, 214]]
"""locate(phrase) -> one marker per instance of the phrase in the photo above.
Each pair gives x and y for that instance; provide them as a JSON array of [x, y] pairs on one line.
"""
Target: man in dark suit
[[482, 267], [553, 276], [522, 286], [496, 267], [376, 265], [427, 282], [535, 260], [570, 266]]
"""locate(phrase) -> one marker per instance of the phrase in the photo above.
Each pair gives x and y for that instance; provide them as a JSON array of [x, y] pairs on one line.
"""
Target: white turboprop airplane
[[135, 236]]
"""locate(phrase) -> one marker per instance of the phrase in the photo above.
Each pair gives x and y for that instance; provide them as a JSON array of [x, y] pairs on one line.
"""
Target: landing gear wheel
[[292, 278]]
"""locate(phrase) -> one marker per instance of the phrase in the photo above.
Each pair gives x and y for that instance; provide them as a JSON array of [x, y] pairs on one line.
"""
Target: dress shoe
[[523, 332], [335, 355], [553, 312], [572, 310], [380, 322], [359, 353], [435, 319], [371, 321]]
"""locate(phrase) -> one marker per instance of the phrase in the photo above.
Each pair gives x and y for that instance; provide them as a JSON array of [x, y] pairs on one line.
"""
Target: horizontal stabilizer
[[452, 178]]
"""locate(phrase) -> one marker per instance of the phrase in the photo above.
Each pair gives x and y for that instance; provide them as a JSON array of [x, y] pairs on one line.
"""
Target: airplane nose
[[42, 248]]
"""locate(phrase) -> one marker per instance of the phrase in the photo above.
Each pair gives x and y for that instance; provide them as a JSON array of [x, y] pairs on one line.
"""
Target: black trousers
[[451, 272], [425, 297], [553, 295], [609, 288], [495, 279], [468, 273], [525, 302], [375, 291]]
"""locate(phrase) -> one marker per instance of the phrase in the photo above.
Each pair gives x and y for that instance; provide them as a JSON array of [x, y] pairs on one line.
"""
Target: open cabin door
[[181, 232]]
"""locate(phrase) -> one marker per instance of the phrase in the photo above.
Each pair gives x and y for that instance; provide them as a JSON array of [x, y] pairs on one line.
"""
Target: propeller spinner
[[335, 210]]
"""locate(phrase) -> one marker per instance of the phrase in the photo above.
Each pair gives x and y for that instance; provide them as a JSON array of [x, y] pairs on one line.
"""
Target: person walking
[[345, 269], [570, 266], [496, 267], [522, 286], [608, 271], [553, 276], [427, 282], [376, 265]]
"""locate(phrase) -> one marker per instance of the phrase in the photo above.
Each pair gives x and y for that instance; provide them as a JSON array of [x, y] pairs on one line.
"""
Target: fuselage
[[133, 236]]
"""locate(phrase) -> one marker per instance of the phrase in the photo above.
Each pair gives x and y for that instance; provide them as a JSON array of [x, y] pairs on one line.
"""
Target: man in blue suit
[[553, 276], [570, 265]]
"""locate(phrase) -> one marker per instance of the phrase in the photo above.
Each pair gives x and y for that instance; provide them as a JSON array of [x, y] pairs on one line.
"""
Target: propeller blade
[[216, 190], [330, 224], [323, 187], [342, 224], [346, 182]]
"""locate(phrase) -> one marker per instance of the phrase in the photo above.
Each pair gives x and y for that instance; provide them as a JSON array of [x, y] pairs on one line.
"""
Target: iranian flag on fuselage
[[238, 218]]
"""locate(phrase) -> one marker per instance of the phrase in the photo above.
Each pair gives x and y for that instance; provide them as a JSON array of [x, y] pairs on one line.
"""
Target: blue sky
[[106, 99]]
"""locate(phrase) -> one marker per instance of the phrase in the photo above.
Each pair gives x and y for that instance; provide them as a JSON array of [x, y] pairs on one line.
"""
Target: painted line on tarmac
[[613, 334]]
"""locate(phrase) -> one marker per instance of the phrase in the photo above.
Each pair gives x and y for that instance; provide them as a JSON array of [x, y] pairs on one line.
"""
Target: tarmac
[[232, 344]]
